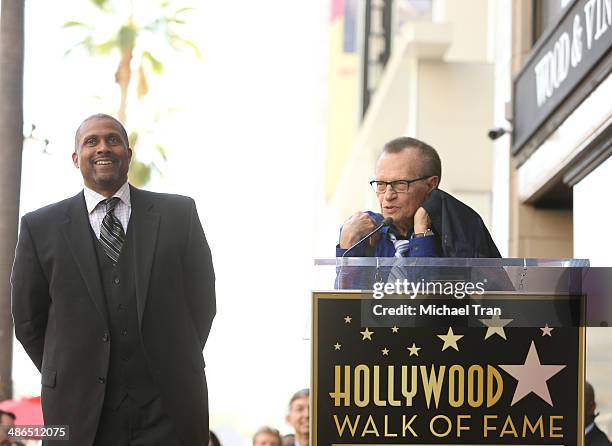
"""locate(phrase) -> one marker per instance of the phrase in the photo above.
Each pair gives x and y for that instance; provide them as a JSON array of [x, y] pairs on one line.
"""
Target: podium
[[444, 351]]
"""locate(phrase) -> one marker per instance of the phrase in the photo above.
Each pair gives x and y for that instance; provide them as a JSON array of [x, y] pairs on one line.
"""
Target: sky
[[245, 138]]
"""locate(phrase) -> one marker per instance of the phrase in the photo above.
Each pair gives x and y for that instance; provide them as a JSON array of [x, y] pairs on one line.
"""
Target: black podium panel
[[502, 369]]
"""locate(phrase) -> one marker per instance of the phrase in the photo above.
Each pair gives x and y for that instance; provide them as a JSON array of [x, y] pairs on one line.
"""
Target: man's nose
[[390, 194], [102, 147]]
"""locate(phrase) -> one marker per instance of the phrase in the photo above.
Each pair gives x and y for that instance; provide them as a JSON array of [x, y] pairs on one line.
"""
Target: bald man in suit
[[113, 299]]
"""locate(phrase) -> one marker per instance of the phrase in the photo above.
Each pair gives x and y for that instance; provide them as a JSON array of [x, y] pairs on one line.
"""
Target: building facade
[[419, 68], [552, 166], [560, 115]]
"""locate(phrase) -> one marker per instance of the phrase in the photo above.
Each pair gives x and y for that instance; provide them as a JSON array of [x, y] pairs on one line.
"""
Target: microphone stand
[[386, 222]]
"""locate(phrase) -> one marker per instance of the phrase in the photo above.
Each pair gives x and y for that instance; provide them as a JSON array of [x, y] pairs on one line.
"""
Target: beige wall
[[469, 24], [455, 109]]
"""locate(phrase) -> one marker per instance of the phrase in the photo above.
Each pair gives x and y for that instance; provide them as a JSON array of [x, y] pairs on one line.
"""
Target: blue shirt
[[418, 247]]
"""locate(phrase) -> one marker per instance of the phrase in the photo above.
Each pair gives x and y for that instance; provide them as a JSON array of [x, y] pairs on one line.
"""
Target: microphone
[[386, 222]]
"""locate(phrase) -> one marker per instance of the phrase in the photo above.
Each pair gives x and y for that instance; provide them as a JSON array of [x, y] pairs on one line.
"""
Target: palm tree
[[11, 145], [129, 41]]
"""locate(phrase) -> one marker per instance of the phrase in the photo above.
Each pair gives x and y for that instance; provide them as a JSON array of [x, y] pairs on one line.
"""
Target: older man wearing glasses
[[426, 222]]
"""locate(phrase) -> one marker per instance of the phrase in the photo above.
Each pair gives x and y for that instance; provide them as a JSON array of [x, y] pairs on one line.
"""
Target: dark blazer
[[460, 232], [596, 438], [61, 319]]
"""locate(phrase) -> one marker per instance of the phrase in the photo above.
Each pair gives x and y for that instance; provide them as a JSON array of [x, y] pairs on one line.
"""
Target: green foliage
[[161, 151], [133, 139], [86, 43], [76, 24], [139, 173], [130, 31], [105, 48], [178, 43], [126, 38], [156, 66], [129, 40], [102, 4]]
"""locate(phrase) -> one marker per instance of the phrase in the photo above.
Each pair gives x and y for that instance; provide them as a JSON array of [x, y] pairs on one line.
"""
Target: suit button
[[124, 332], [105, 337], [101, 379], [116, 280]]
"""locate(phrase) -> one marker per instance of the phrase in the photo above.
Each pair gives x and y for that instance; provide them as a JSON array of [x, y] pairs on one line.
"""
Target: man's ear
[[433, 182], [75, 159]]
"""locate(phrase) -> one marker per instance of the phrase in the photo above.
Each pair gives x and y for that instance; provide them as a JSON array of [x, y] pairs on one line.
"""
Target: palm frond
[[133, 138], [143, 86], [76, 25], [156, 65], [182, 10], [108, 46], [177, 42], [103, 5], [139, 173], [162, 151], [87, 44]]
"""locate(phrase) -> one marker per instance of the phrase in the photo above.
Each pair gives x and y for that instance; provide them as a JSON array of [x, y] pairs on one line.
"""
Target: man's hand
[[355, 228], [422, 222]]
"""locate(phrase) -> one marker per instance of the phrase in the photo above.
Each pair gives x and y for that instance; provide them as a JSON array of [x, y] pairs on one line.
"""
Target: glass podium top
[[499, 276], [451, 262]]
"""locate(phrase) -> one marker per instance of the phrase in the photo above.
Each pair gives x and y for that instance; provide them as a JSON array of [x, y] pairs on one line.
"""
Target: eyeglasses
[[398, 186]]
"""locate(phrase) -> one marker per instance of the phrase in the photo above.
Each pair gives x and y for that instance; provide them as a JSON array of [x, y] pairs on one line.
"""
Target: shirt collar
[[92, 198], [378, 218], [589, 428], [393, 230]]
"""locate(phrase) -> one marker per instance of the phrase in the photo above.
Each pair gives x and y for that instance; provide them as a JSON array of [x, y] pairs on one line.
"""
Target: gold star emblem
[[414, 350], [495, 325], [546, 330], [450, 339], [337, 346], [367, 334], [532, 376], [385, 351], [394, 329], [348, 319]]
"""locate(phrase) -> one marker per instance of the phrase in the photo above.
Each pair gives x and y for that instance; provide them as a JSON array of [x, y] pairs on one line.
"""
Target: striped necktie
[[401, 246], [112, 235]]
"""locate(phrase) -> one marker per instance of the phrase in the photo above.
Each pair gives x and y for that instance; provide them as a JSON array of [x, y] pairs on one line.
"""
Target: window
[[547, 15]]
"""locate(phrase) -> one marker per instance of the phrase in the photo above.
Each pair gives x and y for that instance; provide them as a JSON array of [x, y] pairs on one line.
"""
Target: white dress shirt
[[97, 210], [589, 428]]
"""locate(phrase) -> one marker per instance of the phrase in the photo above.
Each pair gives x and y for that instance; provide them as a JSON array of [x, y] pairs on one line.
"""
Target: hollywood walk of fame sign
[[460, 374]]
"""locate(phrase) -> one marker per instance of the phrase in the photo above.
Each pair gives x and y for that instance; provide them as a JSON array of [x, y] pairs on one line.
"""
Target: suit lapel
[[144, 224], [77, 232]]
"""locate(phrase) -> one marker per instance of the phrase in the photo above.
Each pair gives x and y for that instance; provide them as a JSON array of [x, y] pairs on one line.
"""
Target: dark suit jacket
[[61, 319], [596, 438], [459, 230]]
